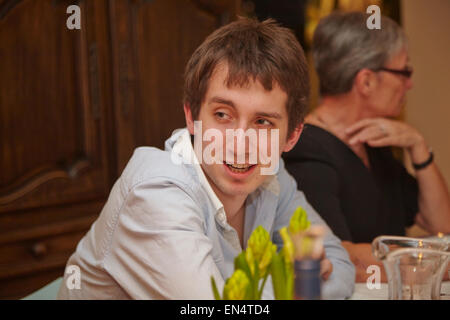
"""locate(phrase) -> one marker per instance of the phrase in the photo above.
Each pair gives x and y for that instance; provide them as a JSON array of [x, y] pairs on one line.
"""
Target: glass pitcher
[[414, 267]]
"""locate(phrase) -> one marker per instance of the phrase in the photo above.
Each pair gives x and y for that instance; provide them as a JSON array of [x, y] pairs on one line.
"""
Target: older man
[[344, 162]]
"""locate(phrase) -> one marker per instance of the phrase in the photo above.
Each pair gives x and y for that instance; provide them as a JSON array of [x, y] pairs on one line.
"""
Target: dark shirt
[[357, 203]]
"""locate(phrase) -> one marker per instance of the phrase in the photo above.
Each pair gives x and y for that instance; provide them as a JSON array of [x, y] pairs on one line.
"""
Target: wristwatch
[[426, 163]]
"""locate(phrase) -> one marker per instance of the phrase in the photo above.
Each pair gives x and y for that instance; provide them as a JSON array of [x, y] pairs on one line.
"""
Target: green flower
[[271, 249], [236, 287], [283, 263], [258, 241], [261, 259], [250, 258], [260, 250], [299, 221], [288, 246]]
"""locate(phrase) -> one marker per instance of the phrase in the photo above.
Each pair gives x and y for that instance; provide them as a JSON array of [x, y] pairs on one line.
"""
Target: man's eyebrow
[[274, 115], [222, 101]]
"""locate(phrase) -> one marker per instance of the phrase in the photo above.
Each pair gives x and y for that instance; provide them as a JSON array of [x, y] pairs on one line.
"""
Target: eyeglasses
[[406, 72]]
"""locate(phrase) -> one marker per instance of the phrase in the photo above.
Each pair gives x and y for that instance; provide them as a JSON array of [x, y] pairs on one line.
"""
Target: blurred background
[[75, 103]]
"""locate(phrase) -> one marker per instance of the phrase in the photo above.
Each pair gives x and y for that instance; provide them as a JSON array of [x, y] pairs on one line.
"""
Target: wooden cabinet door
[[151, 44], [55, 141], [53, 146]]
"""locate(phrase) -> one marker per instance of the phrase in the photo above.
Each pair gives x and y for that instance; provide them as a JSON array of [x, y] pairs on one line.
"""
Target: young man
[[173, 219]]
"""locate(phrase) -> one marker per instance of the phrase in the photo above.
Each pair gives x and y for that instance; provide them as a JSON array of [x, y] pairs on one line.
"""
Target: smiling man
[[174, 219]]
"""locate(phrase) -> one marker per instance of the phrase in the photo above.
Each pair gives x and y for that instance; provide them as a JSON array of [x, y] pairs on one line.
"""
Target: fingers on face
[[369, 133], [359, 125]]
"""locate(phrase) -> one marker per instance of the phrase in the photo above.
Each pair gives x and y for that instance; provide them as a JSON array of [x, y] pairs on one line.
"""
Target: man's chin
[[238, 188], [233, 187]]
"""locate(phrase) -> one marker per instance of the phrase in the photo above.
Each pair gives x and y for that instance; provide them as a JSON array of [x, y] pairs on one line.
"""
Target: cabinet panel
[[28, 265], [34, 255], [55, 136], [51, 113], [35, 245]]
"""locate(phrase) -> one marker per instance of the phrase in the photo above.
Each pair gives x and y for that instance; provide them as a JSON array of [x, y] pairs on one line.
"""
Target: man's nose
[[241, 144], [241, 137]]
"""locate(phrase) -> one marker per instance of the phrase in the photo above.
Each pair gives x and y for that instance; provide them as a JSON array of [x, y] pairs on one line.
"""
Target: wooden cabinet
[[73, 106]]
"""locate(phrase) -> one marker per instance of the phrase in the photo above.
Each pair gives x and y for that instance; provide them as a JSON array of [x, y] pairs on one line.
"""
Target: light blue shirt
[[163, 232]]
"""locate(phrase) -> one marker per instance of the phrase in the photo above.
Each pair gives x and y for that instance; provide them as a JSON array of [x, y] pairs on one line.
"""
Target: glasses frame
[[406, 72]]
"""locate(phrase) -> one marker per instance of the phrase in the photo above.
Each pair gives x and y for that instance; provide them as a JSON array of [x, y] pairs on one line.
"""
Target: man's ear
[[189, 119], [293, 138], [365, 82]]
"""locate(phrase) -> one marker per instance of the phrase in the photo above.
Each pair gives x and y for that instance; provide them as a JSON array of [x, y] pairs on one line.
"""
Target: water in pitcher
[[414, 267]]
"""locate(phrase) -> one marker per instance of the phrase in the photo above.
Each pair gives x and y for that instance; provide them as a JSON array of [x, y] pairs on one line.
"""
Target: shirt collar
[[183, 146], [271, 184]]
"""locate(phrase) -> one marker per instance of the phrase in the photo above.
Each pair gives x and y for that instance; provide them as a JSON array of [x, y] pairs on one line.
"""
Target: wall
[[427, 24]]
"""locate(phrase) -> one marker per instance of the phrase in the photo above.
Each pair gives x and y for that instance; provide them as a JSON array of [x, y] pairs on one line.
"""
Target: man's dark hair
[[262, 51]]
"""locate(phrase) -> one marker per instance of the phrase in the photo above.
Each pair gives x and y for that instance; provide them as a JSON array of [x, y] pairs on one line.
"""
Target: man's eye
[[222, 115], [263, 122]]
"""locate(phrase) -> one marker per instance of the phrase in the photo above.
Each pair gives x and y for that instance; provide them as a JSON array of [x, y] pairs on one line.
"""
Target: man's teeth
[[239, 167]]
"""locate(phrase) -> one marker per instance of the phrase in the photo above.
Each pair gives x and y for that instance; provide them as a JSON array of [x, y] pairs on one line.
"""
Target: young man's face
[[248, 107]]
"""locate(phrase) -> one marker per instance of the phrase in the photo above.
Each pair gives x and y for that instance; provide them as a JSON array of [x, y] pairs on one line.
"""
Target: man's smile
[[239, 171]]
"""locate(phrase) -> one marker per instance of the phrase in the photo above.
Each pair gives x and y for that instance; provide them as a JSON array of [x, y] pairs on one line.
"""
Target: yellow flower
[[258, 241], [236, 286], [299, 221], [260, 249], [250, 258], [288, 246], [271, 249]]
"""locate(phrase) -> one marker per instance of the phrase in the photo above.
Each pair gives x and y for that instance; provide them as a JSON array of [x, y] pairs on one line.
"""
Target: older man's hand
[[382, 132]]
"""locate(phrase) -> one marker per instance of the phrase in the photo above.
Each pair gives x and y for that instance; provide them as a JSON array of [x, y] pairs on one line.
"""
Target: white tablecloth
[[363, 293]]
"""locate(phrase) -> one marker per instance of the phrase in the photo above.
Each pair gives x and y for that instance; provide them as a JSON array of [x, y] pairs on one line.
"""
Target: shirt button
[[222, 217]]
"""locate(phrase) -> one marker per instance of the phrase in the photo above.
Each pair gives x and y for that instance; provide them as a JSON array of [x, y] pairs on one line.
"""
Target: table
[[363, 293]]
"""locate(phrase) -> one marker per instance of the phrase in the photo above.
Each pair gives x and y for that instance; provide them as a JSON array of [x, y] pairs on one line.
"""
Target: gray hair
[[343, 45]]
